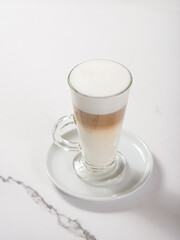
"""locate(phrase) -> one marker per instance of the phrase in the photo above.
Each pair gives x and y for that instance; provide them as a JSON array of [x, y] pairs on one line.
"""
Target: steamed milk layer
[[99, 135], [99, 107]]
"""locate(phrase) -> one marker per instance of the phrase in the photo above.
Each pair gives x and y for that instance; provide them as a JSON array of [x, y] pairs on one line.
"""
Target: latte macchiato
[[99, 90]]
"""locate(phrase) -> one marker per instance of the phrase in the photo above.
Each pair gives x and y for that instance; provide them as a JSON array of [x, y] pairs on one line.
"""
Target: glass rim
[[109, 96]]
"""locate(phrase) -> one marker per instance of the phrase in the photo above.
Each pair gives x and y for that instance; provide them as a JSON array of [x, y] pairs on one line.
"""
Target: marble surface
[[40, 41]]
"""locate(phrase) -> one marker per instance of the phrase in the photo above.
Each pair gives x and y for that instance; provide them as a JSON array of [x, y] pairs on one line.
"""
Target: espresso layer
[[95, 121]]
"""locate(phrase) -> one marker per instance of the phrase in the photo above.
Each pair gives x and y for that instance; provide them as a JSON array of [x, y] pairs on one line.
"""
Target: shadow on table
[[151, 202]]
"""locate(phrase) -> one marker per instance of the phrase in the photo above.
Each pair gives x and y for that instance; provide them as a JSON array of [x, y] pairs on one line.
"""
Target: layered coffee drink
[[99, 90], [99, 135]]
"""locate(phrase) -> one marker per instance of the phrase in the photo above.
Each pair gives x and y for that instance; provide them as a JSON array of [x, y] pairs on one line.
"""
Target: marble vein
[[71, 225]]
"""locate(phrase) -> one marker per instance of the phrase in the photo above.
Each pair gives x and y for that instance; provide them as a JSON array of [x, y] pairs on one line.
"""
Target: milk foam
[[99, 83], [100, 78]]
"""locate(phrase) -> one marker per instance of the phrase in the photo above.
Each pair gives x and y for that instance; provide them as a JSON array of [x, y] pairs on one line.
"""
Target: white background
[[40, 41]]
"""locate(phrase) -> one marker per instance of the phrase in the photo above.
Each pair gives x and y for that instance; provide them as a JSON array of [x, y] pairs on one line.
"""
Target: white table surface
[[40, 41]]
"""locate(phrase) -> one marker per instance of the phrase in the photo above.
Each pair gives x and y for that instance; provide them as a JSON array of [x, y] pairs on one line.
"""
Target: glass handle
[[62, 123]]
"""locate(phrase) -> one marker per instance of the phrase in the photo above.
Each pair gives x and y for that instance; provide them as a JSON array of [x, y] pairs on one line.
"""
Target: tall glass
[[99, 119]]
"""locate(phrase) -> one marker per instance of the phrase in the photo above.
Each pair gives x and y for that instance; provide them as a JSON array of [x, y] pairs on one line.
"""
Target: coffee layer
[[95, 121]]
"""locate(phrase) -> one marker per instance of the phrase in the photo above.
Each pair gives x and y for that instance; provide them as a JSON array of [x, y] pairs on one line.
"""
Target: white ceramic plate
[[139, 167]]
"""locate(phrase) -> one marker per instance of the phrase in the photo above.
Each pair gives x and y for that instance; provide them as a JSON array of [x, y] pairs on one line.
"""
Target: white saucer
[[60, 170]]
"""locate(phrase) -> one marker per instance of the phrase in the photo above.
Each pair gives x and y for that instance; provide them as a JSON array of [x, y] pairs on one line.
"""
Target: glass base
[[100, 175]]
